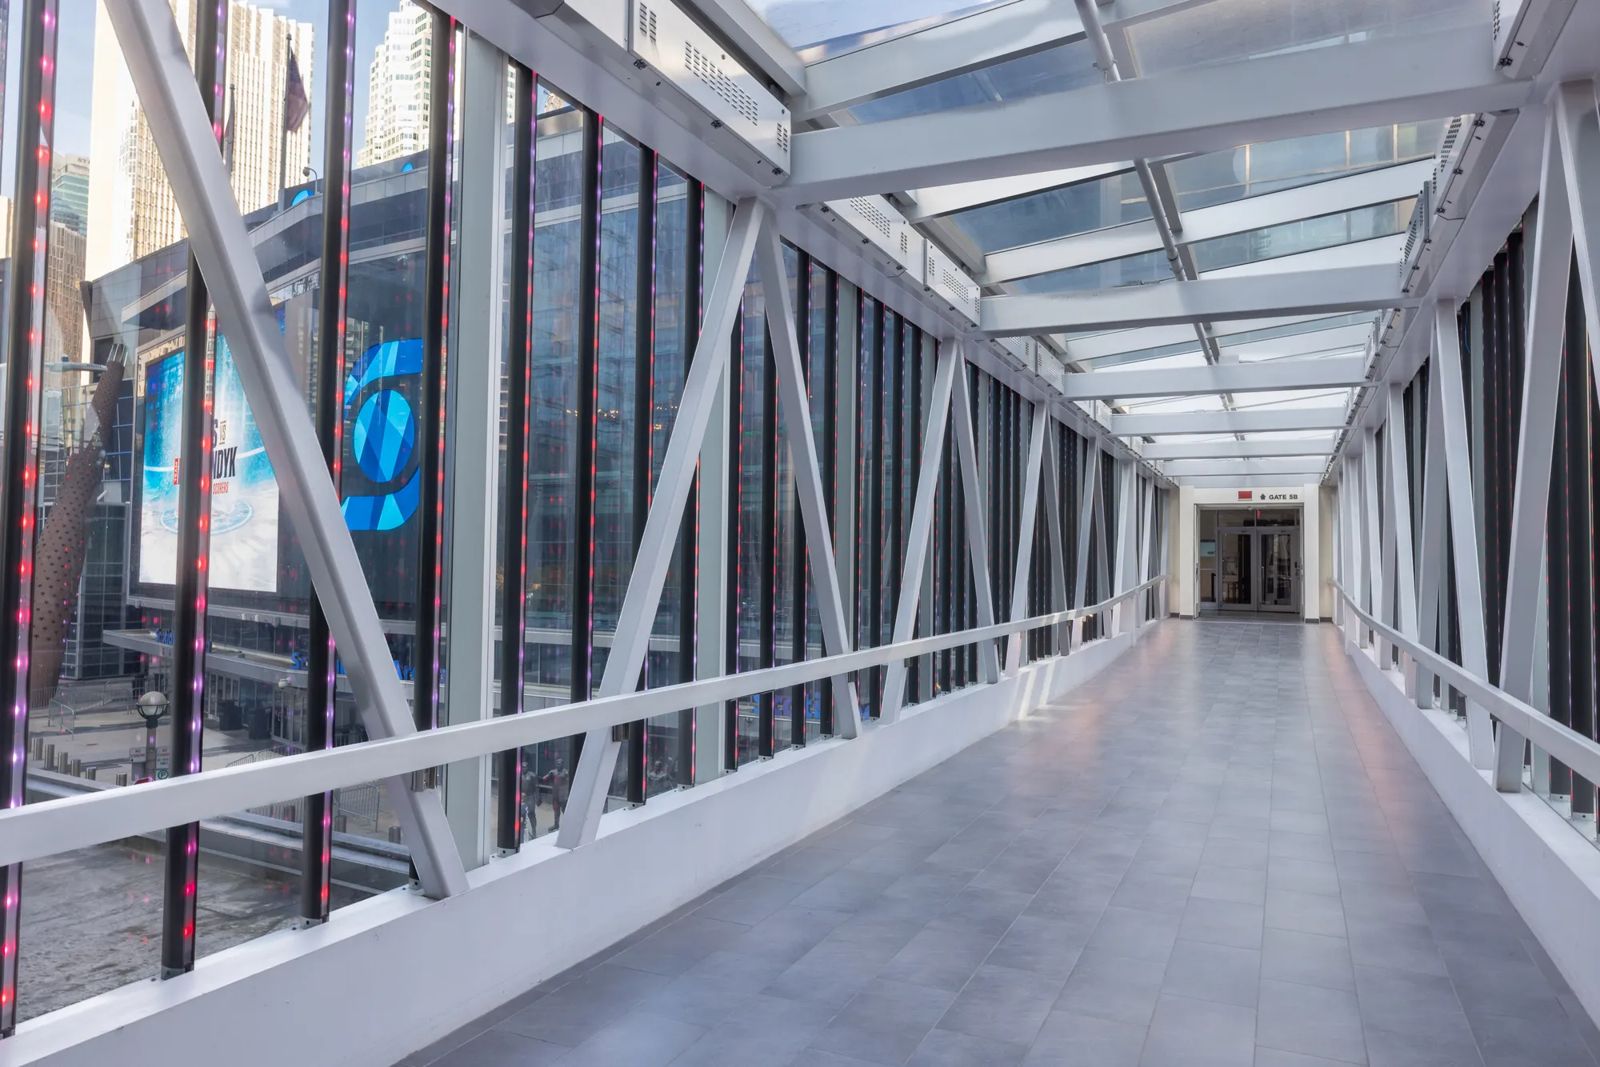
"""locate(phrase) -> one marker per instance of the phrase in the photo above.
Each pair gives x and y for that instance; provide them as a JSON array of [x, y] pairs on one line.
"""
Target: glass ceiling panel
[[831, 27], [1268, 166], [1146, 268], [1303, 235], [1286, 399], [1054, 213], [1224, 30], [1188, 402], [1068, 66], [1231, 340]]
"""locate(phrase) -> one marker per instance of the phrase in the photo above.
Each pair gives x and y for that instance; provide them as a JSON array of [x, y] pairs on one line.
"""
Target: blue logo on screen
[[383, 436]]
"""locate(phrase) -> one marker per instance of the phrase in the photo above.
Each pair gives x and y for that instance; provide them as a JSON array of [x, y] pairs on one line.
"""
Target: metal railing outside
[[35, 831]]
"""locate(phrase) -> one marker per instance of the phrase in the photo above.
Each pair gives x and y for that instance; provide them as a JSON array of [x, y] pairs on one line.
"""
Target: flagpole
[[283, 123]]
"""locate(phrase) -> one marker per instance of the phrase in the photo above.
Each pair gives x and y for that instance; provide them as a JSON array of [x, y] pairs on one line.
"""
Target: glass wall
[[176, 626]]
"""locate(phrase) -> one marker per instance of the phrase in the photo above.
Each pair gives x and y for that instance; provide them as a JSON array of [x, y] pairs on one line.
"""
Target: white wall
[[394, 973], [1316, 551]]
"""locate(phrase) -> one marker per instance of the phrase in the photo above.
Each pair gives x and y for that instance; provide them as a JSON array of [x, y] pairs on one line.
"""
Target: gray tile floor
[[1218, 853]]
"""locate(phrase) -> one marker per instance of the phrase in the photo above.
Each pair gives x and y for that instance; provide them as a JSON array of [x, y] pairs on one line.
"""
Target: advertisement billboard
[[244, 492]]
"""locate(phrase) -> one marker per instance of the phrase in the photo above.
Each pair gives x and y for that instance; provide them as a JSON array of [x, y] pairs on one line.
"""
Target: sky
[[75, 76]]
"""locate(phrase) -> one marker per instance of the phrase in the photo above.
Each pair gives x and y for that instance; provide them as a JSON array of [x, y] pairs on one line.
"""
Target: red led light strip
[[29, 254]]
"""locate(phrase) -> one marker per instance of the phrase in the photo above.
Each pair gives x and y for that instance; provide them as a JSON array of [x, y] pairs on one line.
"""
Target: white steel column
[[972, 505], [911, 578], [713, 542], [1451, 415], [1030, 511], [707, 369], [1431, 534], [1369, 500], [1058, 560], [1086, 524], [795, 407], [1560, 226], [472, 459], [159, 68], [1402, 566], [1147, 539], [1125, 550]]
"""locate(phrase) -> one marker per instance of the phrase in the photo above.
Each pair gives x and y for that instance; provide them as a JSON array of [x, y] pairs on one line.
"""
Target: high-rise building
[[397, 88], [131, 209], [69, 191]]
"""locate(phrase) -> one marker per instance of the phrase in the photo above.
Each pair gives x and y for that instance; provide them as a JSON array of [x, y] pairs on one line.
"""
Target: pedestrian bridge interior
[[644, 532]]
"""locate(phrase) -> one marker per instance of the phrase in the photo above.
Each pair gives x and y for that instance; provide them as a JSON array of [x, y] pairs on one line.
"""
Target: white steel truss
[[159, 68], [1333, 372]]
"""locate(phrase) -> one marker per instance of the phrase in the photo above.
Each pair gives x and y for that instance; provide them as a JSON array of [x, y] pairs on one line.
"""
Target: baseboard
[[396, 972], [1550, 874]]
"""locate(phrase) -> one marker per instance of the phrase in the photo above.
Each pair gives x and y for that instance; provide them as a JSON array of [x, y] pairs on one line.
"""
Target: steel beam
[[1058, 556], [911, 578], [1310, 469], [1397, 533], [1321, 445], [795, 407], [1030, 509], [580, 821], [935, 200], [1262, 420], [1312, 292], [1347, 193], [1332, 372], [159, 69], [972, 500], [943, 50], [1564, 227], [1199, 109]]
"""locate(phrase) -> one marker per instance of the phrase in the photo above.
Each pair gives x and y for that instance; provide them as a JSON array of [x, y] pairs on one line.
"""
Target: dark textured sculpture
[[63, 540]]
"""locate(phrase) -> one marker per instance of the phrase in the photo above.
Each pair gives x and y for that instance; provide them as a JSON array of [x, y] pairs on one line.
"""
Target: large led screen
[[244, 492]]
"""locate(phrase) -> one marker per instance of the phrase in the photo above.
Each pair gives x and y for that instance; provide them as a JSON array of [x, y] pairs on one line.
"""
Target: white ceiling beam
[[1248, 481], [1202, 109], [1322, 292], [1336, 339], [1334, 372], [750, 34], [1385, 252], [1120, 342], [1320, 445], [937, 200], [943, 50], [1261, 420], [1309, 469], [1336, 195]]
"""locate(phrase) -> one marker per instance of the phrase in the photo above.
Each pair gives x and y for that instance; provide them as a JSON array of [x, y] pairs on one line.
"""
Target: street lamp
[[151, 706]]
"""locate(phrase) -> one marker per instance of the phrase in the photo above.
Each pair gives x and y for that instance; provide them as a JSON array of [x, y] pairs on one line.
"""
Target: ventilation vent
[[783, 138], [647, 23], [703, 67], [870, 211]]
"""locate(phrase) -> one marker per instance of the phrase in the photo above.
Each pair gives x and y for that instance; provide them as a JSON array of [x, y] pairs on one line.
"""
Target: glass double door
[[1259, 568]]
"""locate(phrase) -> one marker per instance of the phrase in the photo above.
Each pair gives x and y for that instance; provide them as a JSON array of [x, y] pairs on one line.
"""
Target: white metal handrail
[[1580, 753], [44, 829]]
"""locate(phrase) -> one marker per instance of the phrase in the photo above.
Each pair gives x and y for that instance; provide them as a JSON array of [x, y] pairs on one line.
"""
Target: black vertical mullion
[[18, 444], [187, 681], [730, 650], [316, 827], [875, 526], [689, 560], [514, 598], [830, 421], [436, 310], [894, 539], [644, 382], [797, 578], [767, 549], [588, 346]]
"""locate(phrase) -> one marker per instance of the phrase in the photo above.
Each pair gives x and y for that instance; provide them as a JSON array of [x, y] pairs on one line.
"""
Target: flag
[[295, 103], [227, 133]]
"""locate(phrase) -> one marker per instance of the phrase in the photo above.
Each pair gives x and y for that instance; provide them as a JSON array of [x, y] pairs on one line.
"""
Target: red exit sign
[[1246, 494]]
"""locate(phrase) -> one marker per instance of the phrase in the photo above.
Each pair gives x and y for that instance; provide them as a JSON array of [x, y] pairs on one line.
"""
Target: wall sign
[[1272, 496]]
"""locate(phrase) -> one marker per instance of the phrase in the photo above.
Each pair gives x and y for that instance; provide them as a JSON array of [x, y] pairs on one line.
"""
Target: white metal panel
[[662, 36], [945, 277], [879, 223]]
